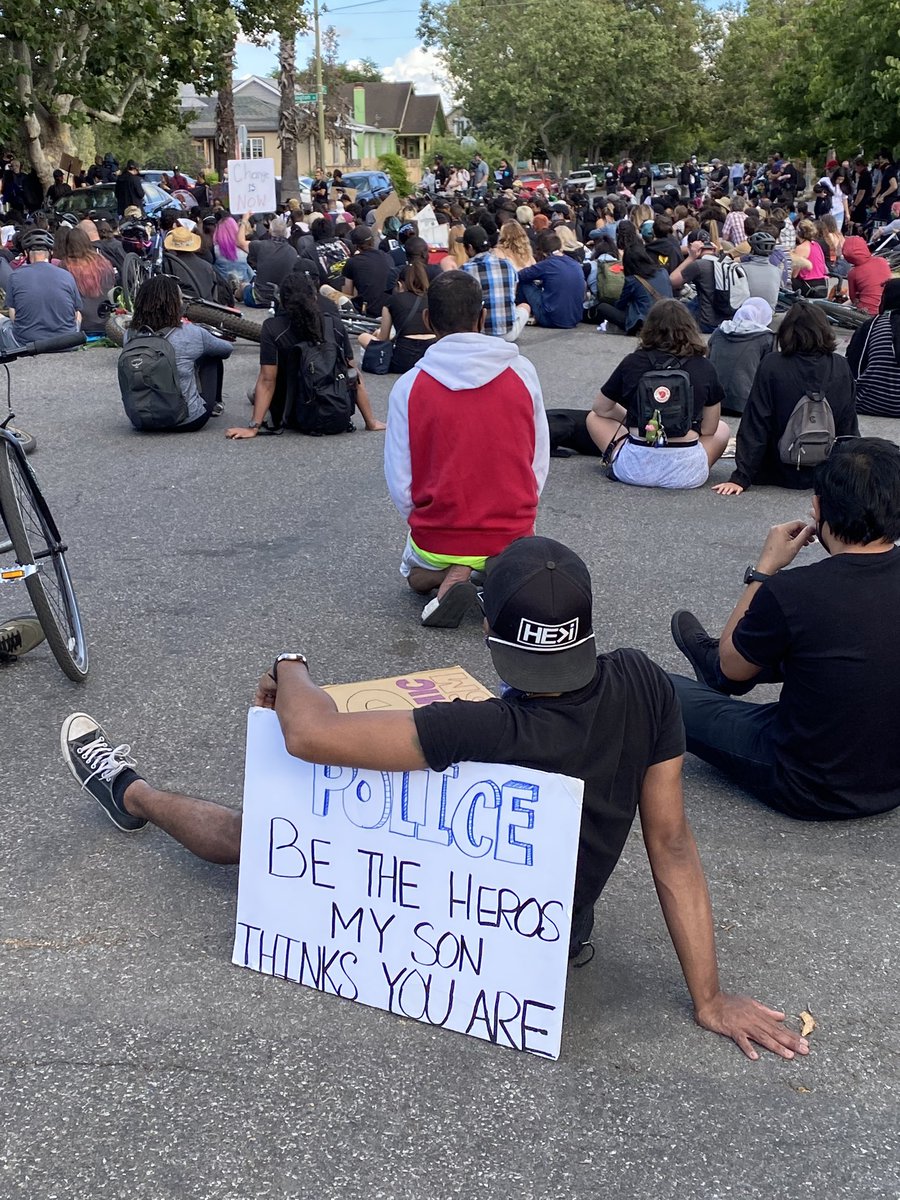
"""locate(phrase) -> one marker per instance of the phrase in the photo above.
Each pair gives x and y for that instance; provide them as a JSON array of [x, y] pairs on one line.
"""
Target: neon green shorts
[[414, 557]]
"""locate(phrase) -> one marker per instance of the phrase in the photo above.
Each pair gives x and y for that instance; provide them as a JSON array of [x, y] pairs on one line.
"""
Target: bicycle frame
[[6, 544]]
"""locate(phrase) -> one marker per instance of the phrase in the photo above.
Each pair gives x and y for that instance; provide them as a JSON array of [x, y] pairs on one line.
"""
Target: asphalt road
[[138, 1062]]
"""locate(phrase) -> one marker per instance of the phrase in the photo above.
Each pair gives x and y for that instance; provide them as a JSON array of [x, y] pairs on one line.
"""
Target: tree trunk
[[46, 139], [287, 84], [226, 134]]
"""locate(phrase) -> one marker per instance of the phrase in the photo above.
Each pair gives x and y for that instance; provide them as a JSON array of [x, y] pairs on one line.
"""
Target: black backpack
[[319, 399], [664, 404], [148, 382]]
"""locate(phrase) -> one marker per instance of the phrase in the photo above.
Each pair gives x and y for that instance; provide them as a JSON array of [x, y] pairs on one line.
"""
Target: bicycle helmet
[[37, 239], [761, 243], [69, 219]]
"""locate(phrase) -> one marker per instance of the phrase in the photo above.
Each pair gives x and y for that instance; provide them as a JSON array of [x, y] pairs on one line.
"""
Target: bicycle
[[34, 538], [844, 316]]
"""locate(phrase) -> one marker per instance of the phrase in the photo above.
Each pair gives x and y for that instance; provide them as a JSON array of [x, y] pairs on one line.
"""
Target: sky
[[383, 30]]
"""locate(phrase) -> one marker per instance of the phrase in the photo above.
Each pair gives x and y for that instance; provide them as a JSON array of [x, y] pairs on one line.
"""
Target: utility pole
[[320, 98]]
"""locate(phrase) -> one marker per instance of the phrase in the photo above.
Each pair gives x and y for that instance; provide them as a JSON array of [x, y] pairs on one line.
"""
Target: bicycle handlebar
[[65, 341]]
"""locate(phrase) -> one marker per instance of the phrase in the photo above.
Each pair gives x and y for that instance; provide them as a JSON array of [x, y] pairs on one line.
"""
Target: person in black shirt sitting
[[612, 720], [827, 749], [369, 274]]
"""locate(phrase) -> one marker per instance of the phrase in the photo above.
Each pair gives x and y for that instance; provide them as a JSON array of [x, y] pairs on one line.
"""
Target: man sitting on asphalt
[[272, 258], [43, 300], [498, 279], [698, 269], [828, 748], [180, 258], [369, 273], [554, 287], [611, 720], [467, 450], [763, 275]]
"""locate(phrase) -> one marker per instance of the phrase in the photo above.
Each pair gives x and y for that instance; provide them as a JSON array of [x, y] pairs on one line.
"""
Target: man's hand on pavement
[[241, 431], [746, 1021], [783, 545]]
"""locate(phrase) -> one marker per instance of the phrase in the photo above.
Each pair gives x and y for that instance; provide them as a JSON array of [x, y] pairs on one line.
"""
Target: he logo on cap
[[537, 603]]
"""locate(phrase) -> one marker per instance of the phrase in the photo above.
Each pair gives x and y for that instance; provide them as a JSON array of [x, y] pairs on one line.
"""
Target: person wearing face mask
[[826, 750]]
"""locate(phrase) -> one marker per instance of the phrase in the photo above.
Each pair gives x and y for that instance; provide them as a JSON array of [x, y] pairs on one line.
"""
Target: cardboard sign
[[251, 185], [408, 691], [69, 164], [389, 207], [444, 897]]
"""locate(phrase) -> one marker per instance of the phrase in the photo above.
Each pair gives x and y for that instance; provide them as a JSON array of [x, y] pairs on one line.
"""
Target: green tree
[[97, 61], [632, 74]]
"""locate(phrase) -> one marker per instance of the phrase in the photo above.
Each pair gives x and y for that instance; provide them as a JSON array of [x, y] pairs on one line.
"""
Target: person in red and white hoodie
[[467, 450]]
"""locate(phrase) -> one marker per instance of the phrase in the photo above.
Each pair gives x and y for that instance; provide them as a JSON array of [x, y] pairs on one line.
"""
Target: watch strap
[[751, 575]]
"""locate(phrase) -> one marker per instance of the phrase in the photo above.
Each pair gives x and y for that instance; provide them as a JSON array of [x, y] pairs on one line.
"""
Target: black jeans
[[210, 373], [608, 312], [736, 737]]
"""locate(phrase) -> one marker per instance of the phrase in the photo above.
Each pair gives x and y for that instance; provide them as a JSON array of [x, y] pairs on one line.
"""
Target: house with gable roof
[[381, 118]]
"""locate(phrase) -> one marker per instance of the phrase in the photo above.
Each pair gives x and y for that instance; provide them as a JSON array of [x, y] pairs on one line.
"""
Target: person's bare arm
[[799, 262], [241, 239], [262, 402], [348, 288], [314, 730], [710, 421], [684, 899], [384, 329], [781, 547], [604, 407], [364, 406]]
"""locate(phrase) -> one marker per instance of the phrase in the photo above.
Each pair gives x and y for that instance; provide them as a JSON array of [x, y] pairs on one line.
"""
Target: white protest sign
[[434, 233], [442, 897], [251, 185]]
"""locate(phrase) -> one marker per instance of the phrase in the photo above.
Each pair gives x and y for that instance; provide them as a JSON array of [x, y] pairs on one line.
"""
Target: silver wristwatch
[[287, 658], [253, 424]]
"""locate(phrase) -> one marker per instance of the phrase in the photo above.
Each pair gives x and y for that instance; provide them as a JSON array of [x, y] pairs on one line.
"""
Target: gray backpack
[[148, 381], [809, 433]]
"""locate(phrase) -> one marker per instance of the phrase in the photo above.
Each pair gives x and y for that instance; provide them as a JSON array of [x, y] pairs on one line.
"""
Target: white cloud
[[423, 68]]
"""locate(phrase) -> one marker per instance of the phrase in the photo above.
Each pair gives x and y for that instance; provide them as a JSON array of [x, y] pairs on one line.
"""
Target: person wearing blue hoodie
[[554, 287], [645, 283]]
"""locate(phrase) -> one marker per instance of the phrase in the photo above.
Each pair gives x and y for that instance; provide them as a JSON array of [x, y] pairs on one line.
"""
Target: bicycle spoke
[[37, 541]]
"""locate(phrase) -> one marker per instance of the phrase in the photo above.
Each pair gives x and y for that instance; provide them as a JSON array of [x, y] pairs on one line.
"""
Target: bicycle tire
[[843, 315], [29, 524], [203, 314], [133, 274], [27, 441]]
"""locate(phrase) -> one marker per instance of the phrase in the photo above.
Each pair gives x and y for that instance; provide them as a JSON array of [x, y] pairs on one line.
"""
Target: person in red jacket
[[467, 450], [867, 278]]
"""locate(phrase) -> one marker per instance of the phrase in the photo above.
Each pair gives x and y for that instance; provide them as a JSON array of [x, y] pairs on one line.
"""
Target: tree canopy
[[100, 61]]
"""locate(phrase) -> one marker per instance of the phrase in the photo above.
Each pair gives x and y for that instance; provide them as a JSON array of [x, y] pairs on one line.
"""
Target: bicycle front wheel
[[36, 542], [133, 273]]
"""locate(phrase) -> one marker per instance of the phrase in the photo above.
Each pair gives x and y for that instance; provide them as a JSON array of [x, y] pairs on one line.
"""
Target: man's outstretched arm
[[314, 729], [684, 898]]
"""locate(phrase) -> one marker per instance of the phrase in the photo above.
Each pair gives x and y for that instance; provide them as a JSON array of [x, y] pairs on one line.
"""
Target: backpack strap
[[411, 316], [862, 357], [649, 286]]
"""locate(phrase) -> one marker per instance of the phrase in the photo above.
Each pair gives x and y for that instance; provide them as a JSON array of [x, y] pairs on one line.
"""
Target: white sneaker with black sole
[[96, 763]]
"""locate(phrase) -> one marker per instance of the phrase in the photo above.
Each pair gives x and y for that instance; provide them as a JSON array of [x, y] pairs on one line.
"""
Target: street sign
[[307, 97]]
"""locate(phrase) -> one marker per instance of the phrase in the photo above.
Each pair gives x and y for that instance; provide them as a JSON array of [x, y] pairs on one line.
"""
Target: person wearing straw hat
[[180, 258]]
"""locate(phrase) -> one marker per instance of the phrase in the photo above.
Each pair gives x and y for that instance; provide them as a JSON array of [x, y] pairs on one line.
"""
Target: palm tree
[[287, 86]]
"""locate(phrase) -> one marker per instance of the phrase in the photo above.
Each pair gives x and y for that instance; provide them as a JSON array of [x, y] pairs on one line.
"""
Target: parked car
[[656, 171], [532, 180], [154, 176], [667, 170], [582, 178], [369, 185], [101, 199]]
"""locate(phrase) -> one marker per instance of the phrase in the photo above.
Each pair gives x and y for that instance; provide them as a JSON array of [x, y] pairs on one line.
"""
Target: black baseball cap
[[537, 601], [476, 238], [361, 235]]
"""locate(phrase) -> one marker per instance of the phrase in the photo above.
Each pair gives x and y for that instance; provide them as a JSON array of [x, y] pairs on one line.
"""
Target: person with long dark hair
[[646, 282], [805, 363], [304, 316], [403, 318], [199, 354]]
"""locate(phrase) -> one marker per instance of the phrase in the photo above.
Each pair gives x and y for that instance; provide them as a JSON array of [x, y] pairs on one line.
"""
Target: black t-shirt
[[608, 734], [861, 185], [828, 627], [883, 212], [369, 272], [623, 383], [402, 306], [273, 259], [195, 276]]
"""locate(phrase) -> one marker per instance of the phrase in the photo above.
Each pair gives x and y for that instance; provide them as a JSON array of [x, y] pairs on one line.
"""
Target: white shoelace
[[104, 760]]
